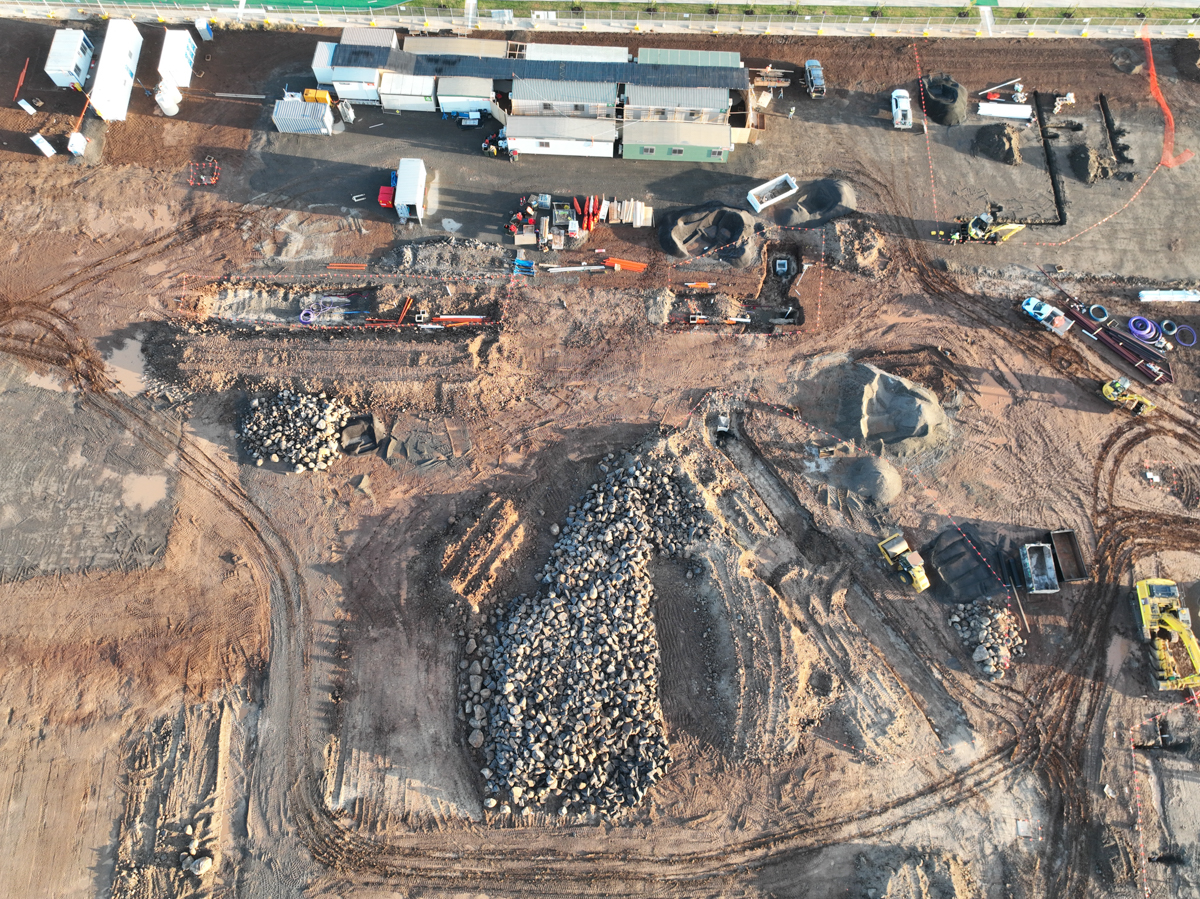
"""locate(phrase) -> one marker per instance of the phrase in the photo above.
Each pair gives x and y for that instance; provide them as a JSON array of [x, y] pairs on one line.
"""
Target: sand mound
[[819, 202], [698, 229], [1125, 60], [881, 408], [945, 100], [1090, 166], [1001, 142], [870, 477]]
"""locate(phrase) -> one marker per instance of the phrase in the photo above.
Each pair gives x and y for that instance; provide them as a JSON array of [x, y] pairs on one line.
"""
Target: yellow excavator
[[1118, 392], [983, 228], [1167, 626], [905, 561]]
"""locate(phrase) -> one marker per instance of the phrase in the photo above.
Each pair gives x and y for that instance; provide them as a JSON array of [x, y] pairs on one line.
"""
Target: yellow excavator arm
[[1165, 660]]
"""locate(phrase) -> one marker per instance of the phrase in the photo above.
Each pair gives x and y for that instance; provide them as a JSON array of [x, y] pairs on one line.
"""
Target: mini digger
[[1166, 624], [1118, 392], [905, 561], [983, 228]]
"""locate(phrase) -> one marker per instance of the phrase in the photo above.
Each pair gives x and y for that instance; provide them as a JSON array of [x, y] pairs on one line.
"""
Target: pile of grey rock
[[301, 429], [992, 632], [561, 693]]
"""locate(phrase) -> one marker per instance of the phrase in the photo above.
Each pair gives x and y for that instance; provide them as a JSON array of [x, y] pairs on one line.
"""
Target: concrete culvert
[[1001, 142], [819, 202], [945, 100], [698, 229], [878, 407]]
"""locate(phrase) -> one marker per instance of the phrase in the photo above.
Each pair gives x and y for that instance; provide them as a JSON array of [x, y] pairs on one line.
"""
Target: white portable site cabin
[[574, 53], [410, 189], [407, 93], [322, 64], [116, 69], [460, 93], [70, 57], [177, 58], [561, 136], [358, 91], [292, 115]]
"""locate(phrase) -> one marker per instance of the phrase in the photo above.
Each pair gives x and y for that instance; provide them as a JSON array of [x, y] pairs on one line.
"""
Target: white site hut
[[116, 70], [177, 58], [293, 115], [462, 94], [70, 57], [410, 189]]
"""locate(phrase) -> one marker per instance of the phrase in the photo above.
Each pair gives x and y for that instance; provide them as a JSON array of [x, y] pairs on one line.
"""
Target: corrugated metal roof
[[406, 85], [294, 116], [678, 134], [563, 70], [559, 128], [400, 62], [456, 46], [351, 56], [370, 37], [464, 87], [677, 97], [540, 91], [719, 58], [64, 50], [546, 52]]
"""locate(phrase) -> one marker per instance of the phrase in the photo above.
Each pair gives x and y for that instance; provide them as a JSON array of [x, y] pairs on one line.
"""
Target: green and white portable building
[[676, 142]]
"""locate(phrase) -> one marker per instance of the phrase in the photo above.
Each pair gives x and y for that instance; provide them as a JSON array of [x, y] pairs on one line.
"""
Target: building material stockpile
[[297, 428], [992, 632], [563, 696]]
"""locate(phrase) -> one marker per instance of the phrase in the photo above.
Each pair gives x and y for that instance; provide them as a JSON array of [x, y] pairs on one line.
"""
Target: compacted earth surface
[[583, 597]]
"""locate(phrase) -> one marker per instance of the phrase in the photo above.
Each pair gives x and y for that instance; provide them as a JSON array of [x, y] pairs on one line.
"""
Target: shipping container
[[322, 64], [572, 53], [177, 58], [456, 46], [408, 93], [116, 70], [459, 94], [70, 58], [293, 116], [410, 189], [359, 36], [559, 136]]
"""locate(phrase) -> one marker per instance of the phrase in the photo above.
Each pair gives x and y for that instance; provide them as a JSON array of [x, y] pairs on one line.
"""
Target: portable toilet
[[177, 57], [115, 71], [410, 190], [70, 57], [204, 28]]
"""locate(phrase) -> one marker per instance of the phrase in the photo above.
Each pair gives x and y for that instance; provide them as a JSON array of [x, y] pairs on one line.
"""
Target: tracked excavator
[[1166, 625], [1118, 392], [905, 561], [983, 228]]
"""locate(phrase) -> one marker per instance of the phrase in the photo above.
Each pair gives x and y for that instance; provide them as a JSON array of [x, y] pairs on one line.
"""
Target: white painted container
[[177, 58], [358, 91], [406, 93], [1169, 296], [322, 64], [410, 189], [771, 192], [70, 57], [460, 93], [116, 70], [560, 136], [293, 116]]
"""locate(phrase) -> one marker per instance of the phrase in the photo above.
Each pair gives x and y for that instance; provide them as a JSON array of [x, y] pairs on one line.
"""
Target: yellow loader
[[905, 561]]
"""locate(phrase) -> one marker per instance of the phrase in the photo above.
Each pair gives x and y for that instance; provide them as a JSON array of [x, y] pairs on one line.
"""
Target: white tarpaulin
[[1006, 110]]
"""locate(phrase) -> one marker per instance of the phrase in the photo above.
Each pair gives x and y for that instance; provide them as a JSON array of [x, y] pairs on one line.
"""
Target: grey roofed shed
[[464, 87], [576, 53], [717, 58], [294, 116], [539, 90], [563, 70], [455, 46], [370, 37], [677, 97], [560, 128]]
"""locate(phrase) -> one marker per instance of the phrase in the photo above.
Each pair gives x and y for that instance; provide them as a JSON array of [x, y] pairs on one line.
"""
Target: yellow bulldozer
[[1118, 392], [905, 561], [1166, 624]]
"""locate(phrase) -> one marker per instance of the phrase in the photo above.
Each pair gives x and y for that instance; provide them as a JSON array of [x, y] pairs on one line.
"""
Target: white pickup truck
[[901, 110], [1051, 318]]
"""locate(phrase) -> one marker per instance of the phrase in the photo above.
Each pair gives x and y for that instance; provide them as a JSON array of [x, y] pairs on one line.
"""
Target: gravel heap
[[562, 697], [298, 428], [993, 634]]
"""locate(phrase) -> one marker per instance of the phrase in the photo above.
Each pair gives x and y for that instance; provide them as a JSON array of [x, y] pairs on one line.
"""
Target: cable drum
[[1169, 328], [1098, 313], [1142, 328]]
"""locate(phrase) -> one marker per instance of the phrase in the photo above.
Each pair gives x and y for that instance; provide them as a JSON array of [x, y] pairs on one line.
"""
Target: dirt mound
[[1187, 59], [658, 305], [1001, 142], [1125, 60], [698, 229], [858, 247], [819, 202], [1090, 166], [915, 874], [945, 100], [957, 556], [878, 408], [871, 478]]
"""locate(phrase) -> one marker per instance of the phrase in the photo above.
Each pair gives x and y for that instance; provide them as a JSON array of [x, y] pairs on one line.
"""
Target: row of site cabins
[[566, 100]]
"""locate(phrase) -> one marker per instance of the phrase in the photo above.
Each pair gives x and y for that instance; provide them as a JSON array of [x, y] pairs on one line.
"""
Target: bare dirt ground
[[208, 660]]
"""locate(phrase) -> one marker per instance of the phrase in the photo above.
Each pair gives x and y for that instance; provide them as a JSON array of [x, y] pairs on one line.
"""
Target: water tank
[[167, 97]]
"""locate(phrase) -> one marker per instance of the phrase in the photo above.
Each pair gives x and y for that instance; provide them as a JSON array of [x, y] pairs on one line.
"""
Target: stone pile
[[300, 429], [993, 634], [561, 693]]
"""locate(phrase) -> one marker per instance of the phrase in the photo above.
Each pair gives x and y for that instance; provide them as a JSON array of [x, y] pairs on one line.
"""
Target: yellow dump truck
[[1166, 624], [905, 561]]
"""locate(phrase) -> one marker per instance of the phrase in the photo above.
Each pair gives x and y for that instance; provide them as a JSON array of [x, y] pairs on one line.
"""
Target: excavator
[[1118, 392], [1166, 625], [983, 228], [902, 559]]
